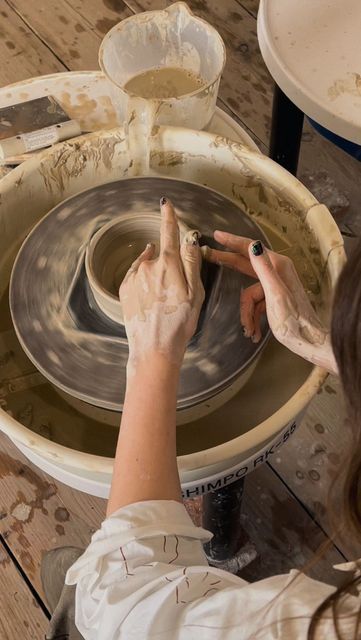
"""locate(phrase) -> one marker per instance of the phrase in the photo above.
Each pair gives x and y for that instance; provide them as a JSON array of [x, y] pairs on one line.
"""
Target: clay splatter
[[61, 514]]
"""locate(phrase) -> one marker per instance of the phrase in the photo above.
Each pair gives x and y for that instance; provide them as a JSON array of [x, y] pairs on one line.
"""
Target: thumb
[[265, 271], [147, 254]]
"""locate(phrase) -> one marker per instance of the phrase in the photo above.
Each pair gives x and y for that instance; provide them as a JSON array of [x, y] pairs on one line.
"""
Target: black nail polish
[[195, 238], [257, 248], [163, 201]]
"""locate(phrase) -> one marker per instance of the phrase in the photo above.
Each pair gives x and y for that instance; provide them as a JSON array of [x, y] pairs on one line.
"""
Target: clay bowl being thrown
[[111, 252]]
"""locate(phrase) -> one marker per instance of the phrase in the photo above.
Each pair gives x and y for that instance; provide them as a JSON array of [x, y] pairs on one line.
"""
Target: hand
[[162, 297], [280, 293]]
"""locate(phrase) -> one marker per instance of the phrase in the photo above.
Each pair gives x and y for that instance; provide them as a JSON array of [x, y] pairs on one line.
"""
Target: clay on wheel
[[77, 346]]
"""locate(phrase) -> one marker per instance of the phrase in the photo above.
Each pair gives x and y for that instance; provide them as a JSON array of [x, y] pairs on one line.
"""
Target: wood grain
[[250, 5], [63, 34], [282, 532], [20, 615], [22, 54], [315, 456], [38, 514], [100, 16]]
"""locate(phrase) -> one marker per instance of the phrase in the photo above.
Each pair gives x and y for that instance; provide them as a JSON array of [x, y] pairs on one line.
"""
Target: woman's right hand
[[280, 293]]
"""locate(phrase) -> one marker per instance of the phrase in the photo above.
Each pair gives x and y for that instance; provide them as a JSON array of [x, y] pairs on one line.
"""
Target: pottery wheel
[[82, 351]]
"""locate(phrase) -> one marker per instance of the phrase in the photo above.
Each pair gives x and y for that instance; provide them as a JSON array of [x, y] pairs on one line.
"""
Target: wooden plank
[[38, 514], [100, 16], [21, 52], [314, 457], [75, 30], [20, 615], [276, 533], [282, 532], [57, 24], [250, 5]]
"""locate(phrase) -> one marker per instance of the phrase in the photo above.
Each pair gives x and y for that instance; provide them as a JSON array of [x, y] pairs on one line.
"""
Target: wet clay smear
[[167, 82]]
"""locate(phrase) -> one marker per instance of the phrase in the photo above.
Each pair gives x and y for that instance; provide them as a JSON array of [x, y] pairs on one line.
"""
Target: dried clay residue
[[31, 498], [79, 110], [71, 159], [172, 158], [351, 84]]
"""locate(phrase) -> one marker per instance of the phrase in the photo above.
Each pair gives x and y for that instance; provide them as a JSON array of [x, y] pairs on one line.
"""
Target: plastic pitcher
[[173, 39]]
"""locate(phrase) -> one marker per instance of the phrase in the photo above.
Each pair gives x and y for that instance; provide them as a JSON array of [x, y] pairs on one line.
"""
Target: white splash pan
[[279, 202]]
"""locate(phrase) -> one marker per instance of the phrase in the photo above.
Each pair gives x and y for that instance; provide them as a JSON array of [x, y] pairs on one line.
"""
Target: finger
[[232, 260], [249, 299], [169, 231], [192, 261], [259, 311], [236, 243], [267, 274], [147, 254]]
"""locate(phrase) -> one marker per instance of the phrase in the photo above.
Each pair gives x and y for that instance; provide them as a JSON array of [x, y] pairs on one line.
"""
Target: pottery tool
[[28, 126]]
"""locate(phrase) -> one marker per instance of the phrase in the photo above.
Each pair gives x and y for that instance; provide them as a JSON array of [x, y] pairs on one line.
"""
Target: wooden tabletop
[[284, 510]]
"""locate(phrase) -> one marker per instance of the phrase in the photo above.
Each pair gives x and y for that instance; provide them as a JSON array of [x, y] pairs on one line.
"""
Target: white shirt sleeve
[[145, 575]]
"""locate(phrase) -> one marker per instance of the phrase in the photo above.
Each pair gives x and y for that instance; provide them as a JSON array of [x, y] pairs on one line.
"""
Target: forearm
[[145, 465]]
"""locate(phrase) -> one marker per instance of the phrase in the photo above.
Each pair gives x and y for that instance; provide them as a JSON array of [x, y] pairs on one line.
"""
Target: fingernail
[[195, 238], [163, 201], [149, 245], [192, 238], [205, 251], [257, 248]]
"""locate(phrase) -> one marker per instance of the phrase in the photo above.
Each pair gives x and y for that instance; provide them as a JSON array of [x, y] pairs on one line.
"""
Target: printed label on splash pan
[[39, 139], [218, 481]]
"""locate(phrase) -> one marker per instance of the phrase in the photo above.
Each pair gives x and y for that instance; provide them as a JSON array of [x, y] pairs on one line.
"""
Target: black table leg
[[222, 516], [286, 131]]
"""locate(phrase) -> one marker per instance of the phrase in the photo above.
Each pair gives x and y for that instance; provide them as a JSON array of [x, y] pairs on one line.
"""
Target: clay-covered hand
[[280, 293], [162, 297]]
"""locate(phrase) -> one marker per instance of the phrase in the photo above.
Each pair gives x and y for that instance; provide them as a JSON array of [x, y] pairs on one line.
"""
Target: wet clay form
[[64, 284], [111, 252]]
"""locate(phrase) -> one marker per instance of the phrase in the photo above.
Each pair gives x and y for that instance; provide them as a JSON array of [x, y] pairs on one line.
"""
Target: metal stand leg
[[286, 132], [221, 516]]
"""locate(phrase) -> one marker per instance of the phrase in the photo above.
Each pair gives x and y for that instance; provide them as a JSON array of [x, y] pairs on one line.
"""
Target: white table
[[313, 51]]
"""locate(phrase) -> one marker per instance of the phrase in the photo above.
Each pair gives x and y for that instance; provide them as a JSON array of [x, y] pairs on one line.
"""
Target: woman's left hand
[[162, 297]]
